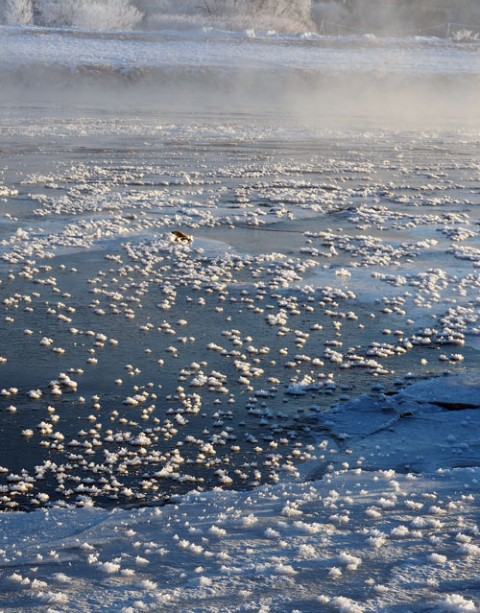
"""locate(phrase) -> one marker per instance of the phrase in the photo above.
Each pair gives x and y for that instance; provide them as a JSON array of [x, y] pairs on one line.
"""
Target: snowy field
[[240, 321]]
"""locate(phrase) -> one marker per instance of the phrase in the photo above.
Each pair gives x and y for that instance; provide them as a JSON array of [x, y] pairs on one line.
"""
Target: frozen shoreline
[[396, 56], [357, 540]]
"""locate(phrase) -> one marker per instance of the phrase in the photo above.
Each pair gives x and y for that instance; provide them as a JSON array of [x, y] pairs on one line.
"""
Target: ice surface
[[429, 425], [355, 541], [458, 390]]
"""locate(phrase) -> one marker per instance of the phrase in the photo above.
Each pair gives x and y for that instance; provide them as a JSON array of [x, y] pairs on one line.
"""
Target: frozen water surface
[[262, 309]]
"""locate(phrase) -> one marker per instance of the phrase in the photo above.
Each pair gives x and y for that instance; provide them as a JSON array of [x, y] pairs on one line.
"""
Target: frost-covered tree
[[88, 14], [282, 15], [18, 12], [285, 15], [299, 9]]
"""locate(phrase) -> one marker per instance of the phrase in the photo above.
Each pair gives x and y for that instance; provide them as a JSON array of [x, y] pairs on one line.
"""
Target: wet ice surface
[[267, 318], [324, 265]]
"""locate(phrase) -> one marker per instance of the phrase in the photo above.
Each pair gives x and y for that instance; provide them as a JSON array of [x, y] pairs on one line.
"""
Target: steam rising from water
[[357, 100], [428, 17], [351, 79], [354, 81]]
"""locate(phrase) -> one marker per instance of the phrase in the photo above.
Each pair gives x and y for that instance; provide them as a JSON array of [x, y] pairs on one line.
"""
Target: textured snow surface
[[356, 540], [210, 48]]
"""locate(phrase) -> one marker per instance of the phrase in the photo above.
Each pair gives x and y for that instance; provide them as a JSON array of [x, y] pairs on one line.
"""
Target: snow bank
[[357, 541]]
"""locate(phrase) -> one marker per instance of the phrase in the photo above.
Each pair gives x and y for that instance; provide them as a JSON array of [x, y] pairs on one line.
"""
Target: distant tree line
[[393, 17], [89, 14]]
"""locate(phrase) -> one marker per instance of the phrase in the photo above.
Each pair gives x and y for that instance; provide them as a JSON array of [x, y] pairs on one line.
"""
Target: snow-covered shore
[[208, 47]]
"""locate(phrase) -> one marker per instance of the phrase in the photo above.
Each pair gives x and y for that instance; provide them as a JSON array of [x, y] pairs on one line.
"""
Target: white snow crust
[[357, 541], [361, 538]]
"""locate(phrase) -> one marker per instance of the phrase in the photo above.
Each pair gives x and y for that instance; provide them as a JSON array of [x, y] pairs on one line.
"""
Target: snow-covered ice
[[353, 541]]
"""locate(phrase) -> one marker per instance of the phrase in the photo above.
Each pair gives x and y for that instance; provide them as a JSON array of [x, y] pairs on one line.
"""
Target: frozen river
[[208, 286]]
